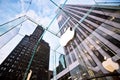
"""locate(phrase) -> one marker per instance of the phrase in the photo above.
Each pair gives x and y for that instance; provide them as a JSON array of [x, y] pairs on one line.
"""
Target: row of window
[[95, 51], [94, 14], [103, 46], [91, 19], [88, 18], [88, 56], [83, 37], [109, 38], [5, 68]]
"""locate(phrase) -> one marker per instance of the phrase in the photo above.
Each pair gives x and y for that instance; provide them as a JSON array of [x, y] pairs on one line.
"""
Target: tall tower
[[15, 65], [96, 37]]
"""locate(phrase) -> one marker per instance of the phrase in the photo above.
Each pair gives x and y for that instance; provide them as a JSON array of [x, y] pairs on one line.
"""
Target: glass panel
[[63, 63], [10, 25]]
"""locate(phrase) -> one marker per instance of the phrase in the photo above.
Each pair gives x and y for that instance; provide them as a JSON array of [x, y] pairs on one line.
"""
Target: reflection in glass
[[62, 64], [10, 25], [68, 59], [103, 46], [109, 37]]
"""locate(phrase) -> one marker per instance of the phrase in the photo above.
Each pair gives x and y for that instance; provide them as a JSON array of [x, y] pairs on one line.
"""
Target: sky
[[41, 11]]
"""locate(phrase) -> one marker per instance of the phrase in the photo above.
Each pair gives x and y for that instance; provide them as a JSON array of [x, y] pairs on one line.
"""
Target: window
[[14, 53], [10, 70], [12, 56], [94, 20], [7, 64], [13, 65], [3, 68], [70, 47], [71, 24], [77, 13], [73, 57], [99, 15], [80, 34], [79, 10], [22, 52], [84, 30], [68, 59], [111, 28], [89, 25], [109, 38], [98, 55], [18, 58], [10, 60], [103, 46], [73, 44], [77, 40], [88, 56], [66, 51], [92, 62], [71, 14], [95, 51]]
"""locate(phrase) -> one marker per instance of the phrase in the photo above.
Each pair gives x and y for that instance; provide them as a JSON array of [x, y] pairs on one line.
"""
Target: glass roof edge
[[12, 20]]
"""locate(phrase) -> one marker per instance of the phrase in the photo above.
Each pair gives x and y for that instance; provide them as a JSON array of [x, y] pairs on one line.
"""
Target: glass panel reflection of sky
[[43, 11], [8, 26]]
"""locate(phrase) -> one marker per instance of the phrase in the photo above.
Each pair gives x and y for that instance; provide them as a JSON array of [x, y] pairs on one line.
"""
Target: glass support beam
[[43, 27], [63, 25]]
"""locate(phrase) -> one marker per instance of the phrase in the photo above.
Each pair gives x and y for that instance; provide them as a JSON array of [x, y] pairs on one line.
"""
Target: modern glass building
[[14, 67], [97, 36]]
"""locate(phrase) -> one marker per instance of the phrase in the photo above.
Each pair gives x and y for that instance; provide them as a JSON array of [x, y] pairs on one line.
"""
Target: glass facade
[[96, 36]]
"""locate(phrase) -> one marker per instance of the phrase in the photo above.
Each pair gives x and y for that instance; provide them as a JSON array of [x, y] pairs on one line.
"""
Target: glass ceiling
[[20, 18]]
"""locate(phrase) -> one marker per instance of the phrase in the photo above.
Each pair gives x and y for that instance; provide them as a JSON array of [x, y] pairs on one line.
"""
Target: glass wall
[[95, 41]]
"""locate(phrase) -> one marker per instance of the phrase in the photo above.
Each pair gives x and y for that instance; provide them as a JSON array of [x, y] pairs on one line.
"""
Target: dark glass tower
[[15, 65], [96, 37]]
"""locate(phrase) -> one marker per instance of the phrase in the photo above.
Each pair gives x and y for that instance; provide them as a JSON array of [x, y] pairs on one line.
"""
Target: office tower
[[15, 65], [97, 36]]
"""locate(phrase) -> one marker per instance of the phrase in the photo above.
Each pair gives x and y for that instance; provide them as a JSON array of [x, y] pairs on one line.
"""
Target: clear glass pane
[[10, 25]]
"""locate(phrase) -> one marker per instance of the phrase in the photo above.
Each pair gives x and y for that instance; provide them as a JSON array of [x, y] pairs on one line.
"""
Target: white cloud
[[22, 5], [27, 28], [44, 21]]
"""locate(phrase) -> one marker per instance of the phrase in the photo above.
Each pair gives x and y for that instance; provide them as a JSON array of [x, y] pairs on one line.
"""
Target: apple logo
[[110, 65], [67, 36]]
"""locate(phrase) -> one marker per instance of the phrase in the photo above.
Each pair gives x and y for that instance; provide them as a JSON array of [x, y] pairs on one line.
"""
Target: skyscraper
[[97, 36], [15, 65]]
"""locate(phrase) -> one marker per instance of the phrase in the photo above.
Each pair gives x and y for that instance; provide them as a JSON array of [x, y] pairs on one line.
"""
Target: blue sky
[[42, 11]]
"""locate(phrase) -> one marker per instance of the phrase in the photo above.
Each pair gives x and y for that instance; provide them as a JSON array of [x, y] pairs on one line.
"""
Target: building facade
[[15, 65], [97, 36]]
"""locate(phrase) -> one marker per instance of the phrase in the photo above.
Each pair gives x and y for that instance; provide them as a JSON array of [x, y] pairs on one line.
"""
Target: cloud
[[22, 5], [8, 10], [28, 26]]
